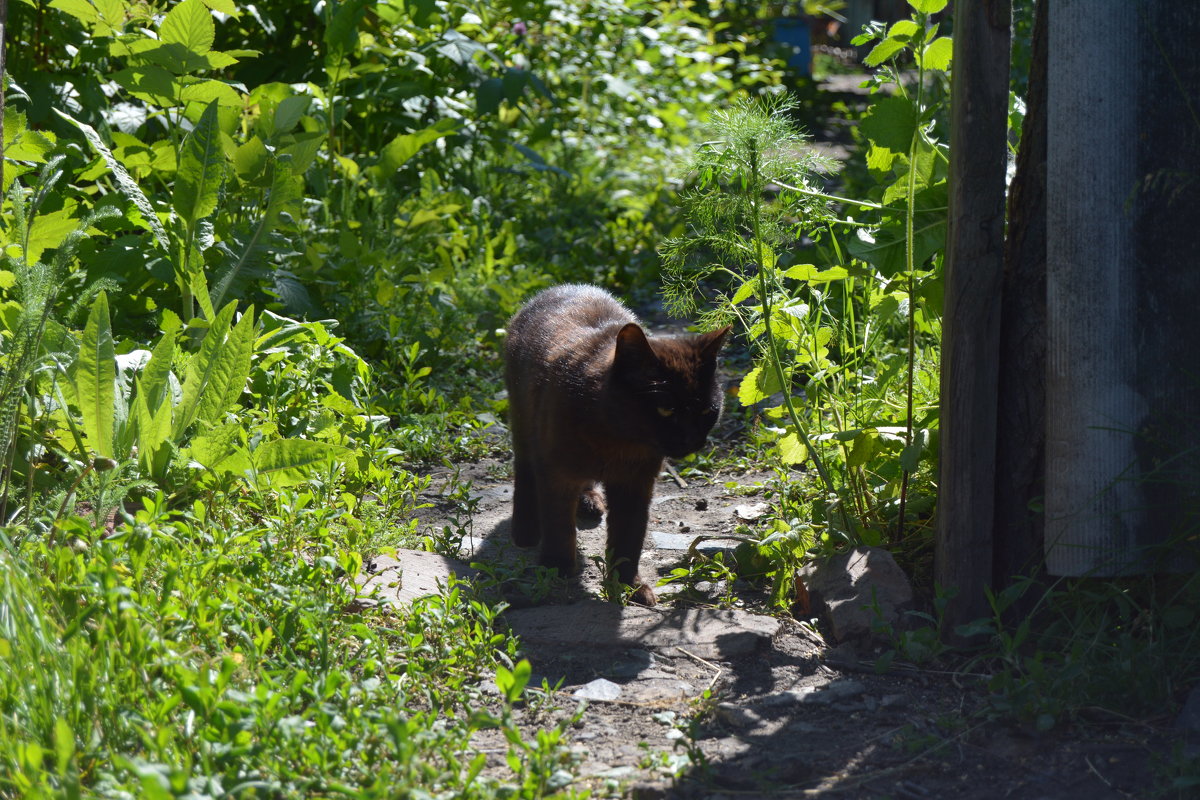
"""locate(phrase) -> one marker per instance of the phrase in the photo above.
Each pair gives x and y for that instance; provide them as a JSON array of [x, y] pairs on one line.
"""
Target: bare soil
[[791, 716]]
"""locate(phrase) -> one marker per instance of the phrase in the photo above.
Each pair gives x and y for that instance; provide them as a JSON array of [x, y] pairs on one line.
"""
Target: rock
[[683, 541], [599, 689], [858, 590], [705, 632], [1189, 718], [411, 574], [750, 513], [737, 717], [654, 690]]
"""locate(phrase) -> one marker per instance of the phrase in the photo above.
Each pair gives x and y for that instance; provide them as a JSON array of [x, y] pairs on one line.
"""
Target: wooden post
[[1021, 419], [971, 326]]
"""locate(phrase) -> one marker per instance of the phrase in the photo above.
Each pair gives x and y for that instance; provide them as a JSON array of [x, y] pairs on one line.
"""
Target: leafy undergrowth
[[187, 653]]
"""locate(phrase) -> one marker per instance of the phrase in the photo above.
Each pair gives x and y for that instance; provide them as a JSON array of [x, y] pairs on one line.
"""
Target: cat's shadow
[[522, 582]]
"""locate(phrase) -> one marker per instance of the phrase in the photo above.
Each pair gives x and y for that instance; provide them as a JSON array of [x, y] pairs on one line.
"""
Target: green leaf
[[745, 290], [288, 462], [810, 273], [250, 160], [288, 113], [904, 29], [201, 368], [759, 384], [126, 184], [64, 744], [201, 168], [937, 54], [153, 433], [883, 51], [406, 145], [217, 449], [95, 375], [890, 124], [928, 6], [341, 36], [189, 24], [792, 450], [864, 448], [231, 367], [488, 95]]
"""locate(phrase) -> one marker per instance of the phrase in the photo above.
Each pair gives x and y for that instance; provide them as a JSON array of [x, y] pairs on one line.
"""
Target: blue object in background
[[793, 33]]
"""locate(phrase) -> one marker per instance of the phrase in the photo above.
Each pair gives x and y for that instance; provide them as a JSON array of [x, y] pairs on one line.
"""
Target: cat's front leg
[[628, 514]]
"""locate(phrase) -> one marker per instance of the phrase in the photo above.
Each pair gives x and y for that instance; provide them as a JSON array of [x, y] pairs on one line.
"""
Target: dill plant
[[737, 234]]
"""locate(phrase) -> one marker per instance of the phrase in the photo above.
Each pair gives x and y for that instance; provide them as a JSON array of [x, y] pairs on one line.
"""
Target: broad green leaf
[[890, 123], [201, 368], [48, 230], [303, 151], [250, 160], [204, 92], [745, 290], [189, 24], [201, 167], [227, 379], [341, 35], [759, 384], [153, 434], [224, 6], [810, 273], [217, 449], [288, 113], [23, 144], [488, 95], [883, 51], [905, 28], [81, 10], [153, 84], [155, 375], [405, 146], [928, 6], [863, 449], [127, 185], [288, 462], [937, 54], [95, 374], [792, 450], [64, 744]]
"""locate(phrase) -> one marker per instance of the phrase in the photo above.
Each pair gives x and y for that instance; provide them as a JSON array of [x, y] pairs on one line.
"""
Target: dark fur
[[585, 386]]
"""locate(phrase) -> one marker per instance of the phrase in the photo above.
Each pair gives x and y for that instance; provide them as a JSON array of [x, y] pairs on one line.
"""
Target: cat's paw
[[525, 535], [591, 505], [642, 594]]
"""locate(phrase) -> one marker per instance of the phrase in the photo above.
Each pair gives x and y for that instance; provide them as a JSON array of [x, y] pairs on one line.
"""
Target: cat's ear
[[710, 343], [633, 349]]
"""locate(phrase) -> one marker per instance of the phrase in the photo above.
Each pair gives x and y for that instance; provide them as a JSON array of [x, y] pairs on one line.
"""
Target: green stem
[[765, 286], [910, 196]]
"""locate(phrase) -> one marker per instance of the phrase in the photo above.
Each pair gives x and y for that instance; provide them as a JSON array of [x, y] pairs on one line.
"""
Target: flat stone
[[599, 689], [683, 541], [749, 513], [737, 717], [651, 690], [705, 632], [411, 574]]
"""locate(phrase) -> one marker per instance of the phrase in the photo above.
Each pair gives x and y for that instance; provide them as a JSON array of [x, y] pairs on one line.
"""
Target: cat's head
[[672, 387]]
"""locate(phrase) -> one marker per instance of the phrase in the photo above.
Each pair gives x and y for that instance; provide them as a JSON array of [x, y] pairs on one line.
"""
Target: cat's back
[[572, 322]]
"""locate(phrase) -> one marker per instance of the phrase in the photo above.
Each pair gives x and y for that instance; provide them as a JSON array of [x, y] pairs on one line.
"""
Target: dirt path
[[687, 700]]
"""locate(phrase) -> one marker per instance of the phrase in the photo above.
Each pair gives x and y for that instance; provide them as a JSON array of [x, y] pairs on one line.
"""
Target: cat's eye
[[665, 412]]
